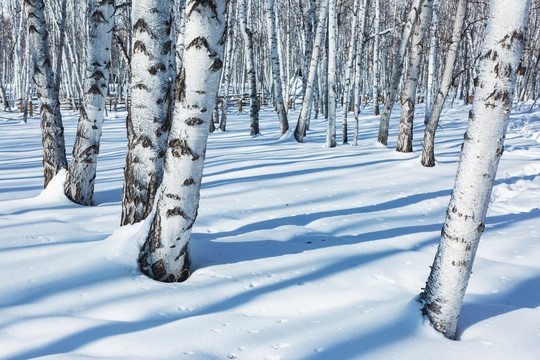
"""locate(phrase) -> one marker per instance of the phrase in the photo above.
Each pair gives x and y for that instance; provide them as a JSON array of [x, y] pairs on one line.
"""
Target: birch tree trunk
[[276, 76], [377, 6], [397, 71], [432, 59], [250, 64], [348, 71], [404, 142], [300, 130], [232, 17], [482, 149], [428, 152], [149, 119], [52, 129], [358, 76], [164, 255], [79, 185], [332, 74]]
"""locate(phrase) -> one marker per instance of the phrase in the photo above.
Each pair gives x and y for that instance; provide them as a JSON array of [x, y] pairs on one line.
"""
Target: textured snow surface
[[299, 252]]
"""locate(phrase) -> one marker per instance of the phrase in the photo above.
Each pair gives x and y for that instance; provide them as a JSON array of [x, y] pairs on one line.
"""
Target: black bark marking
[[158, 67], [194, 121], [189, 182], [216, 66], [142, 26], [181, 85], [140, 47], [94, 89], [200, 42], [210, 4], [177, 212], [179, 147]]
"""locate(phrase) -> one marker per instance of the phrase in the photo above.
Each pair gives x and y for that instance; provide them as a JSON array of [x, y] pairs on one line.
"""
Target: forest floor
[[299, 252]]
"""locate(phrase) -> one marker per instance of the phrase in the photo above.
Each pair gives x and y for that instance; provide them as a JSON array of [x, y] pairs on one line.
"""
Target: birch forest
[[323, 78]]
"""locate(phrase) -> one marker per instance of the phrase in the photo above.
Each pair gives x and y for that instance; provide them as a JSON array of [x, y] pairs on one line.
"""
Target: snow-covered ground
[[299, 252]]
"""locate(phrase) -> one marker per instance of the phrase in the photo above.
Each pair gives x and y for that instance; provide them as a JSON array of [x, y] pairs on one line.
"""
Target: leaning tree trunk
[[482, 150], [250, 64], [428, 152], [397, 71], [276, 76], [300, 130], [405, 136], [332, 74], [164, 255], [79, 186], [52, 130], [149, 119]]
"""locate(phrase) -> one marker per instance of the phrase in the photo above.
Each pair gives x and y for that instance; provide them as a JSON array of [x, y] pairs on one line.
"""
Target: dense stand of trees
[[154, 58]]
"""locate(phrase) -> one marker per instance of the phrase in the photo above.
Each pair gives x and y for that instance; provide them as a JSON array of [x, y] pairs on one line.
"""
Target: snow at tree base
[[298, 251]]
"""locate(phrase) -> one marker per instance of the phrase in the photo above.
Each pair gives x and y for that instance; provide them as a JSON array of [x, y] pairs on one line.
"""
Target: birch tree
[[428, 151], [332, 70], [349, 70], [300, 130], [482, 150], [250, 64], [432, 59], [79, 185], [149, 119], [274, 59], [52, 129], [404, 142], [397, 71], [376, 42], [358, 76], [164, 255]]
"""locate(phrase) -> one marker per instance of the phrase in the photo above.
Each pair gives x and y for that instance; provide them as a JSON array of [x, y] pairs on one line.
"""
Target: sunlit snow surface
[[299, 252]]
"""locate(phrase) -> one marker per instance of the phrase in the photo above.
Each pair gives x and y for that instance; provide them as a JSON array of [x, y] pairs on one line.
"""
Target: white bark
[[358, 76], [308, 93], [276, 76], [432, 59], [428, 155], [250, 64], [164, 255], [482, 149], [397, 71], [376, 58], [149, 119], [349, 70], [332, 74], [54, 150], [404, 142], [79, 185]]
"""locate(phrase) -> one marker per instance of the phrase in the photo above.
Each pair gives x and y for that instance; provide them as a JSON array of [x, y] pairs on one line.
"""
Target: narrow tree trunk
[[428, 152], [349, 70], [358, 77], [482, 149], [376, 58], [404, 142], [432, 60], [332, 74], [54, 149], [79, 185], [276, 76], [164, 255], [231, 49], [149, 119], [308, 94], [250, 63], [397, 71]]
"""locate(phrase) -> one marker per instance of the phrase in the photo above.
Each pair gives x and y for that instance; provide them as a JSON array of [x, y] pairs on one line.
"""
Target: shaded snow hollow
[[299, 252]]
